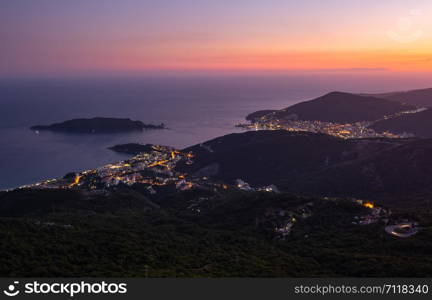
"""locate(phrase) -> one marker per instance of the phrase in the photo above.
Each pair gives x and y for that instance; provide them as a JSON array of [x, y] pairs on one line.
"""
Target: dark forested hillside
[[419, 124], [232, 235], [421, 97], [306, 163], [340, 107]]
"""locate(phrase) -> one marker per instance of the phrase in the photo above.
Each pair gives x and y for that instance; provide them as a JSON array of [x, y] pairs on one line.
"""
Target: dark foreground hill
[[124, 234], [263, 157], [394, 170], [421, 97], [339, 107], [398, 175], [419, 124]]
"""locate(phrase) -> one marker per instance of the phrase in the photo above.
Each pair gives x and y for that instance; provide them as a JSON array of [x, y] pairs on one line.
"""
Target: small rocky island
[[98, 125], [132, 148]]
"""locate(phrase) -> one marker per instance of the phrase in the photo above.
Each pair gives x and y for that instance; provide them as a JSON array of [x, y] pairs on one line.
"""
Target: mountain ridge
[[418, 97], [338, 107]]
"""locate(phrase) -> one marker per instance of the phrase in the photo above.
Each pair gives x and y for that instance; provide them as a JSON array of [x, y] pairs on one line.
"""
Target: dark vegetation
[[232, 236], [391, 170], [263, 157], [421, 97], [398, 175], [419, 124]]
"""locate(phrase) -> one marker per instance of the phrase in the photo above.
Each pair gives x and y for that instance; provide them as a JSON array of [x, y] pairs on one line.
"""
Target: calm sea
[[195, 110]]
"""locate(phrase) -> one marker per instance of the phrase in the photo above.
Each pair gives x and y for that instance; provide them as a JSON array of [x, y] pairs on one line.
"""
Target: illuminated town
[[156, 169], [153, 168], [346, 131]]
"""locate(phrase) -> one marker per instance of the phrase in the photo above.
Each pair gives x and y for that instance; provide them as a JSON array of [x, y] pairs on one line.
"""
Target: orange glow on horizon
[[139, 36], [265, 59]]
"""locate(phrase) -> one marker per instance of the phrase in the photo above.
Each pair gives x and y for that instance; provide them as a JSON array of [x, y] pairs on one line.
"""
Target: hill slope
[[341, 107], [232, 236], [316, 164], [419, 124], [261, 157], [398, 175], [421, 97]]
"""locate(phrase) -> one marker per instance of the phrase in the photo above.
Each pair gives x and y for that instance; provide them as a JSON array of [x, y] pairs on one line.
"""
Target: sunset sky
[[78, 36]]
